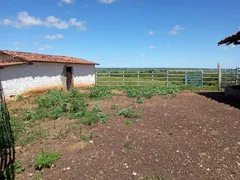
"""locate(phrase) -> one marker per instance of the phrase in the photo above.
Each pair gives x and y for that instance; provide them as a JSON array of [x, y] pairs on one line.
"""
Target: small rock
[[238, 163], [68, 168], [208, 169], [134, 173], [91, 141], [31, 174]]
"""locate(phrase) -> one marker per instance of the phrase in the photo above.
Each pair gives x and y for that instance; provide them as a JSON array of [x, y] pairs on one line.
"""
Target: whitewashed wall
[[24, 78]]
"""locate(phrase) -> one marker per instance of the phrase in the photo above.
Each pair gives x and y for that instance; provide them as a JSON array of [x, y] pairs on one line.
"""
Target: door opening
[[69, 76]]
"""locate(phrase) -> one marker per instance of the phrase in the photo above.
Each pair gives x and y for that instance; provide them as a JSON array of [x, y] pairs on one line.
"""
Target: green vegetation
[[114, 106], [140, 100], [128, 122], [100, 92], [26, 123], [19, 98], [85, 138], [46, 159], [128, 113], [15, 168]]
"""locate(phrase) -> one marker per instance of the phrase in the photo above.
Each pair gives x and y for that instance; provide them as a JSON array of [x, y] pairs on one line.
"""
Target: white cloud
[[106, 1], [168, 46], [36, 43], [52, 21], [48, 47], [150, 33], [41, 49], [25, 20], [79, 24], [152, 47], [176, 30], [45, 47], [60, 3], [142, 54], [17, 48], [52, 37]]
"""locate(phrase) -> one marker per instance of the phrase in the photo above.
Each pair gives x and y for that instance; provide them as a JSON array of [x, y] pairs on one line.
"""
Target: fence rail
[[231, 77], [162, 77]]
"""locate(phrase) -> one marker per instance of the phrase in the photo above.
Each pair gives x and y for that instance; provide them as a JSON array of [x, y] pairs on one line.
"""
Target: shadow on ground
[[221, 98]]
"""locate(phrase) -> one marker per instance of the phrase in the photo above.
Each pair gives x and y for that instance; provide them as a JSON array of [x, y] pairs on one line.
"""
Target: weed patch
[[46, 159], [100, 92], [128, 113], [128, 122]]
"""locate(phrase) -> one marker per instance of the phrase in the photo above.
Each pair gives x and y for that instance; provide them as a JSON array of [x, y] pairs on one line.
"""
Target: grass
[[19, 98], [128, 113], [46, 159], [128, 122]]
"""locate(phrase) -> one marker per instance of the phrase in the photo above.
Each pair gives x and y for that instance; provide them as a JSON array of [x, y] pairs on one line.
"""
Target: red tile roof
[[5, 64], [34, 57]]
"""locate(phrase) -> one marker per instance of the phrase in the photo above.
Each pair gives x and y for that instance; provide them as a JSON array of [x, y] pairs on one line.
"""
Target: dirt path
[[184, 137]]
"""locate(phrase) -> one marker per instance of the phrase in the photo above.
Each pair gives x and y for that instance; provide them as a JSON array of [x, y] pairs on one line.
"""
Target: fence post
[[123, 79], [236, 76], [109, 76], [96, 79], [186, 80], [219, 77], [152, 79], [167, 77], [138, 79]]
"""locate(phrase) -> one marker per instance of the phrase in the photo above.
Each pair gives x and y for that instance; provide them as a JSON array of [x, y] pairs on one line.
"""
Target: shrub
[[128, 113], [140, 100], [46, 159], [96, 108], [19, 98], [99, 92]]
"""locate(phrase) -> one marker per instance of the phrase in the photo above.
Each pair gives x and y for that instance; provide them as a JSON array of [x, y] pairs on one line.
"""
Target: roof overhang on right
[[235, 39]]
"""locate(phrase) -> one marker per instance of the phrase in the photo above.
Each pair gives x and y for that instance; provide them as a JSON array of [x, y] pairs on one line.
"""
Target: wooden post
[[96, 78], [109, 81], [123, 79], [152, 79], [219, 77], [167, 78], [186, 80], [236, 76], [138, 79]]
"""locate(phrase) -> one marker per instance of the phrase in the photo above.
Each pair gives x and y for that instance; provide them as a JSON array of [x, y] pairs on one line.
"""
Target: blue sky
[[124, 33]]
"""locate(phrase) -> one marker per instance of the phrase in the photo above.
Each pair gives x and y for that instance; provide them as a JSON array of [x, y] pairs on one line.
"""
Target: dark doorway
[[69, 76]]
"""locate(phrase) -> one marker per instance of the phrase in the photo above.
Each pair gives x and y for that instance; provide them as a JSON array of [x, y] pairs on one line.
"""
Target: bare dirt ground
[[189, 136]]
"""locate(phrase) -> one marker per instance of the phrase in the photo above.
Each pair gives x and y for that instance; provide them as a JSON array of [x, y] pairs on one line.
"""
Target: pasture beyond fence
[[145, 77]]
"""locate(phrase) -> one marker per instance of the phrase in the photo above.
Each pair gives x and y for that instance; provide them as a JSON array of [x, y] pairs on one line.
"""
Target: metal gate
[[194, 78]]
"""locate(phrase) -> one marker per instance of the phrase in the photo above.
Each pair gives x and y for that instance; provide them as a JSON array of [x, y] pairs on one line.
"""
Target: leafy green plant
[[15, 168], [93, 117], [128, 122], [128, 113], [46, 159], [140, 100], [99, 92], [19, 98], [38, 175], [96, 108], [114, 106]]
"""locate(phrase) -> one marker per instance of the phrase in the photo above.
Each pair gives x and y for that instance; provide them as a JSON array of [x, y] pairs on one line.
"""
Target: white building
[[23, 73]]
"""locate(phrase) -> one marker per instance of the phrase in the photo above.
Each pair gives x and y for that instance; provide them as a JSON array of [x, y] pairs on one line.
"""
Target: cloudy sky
[[124, 33]]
